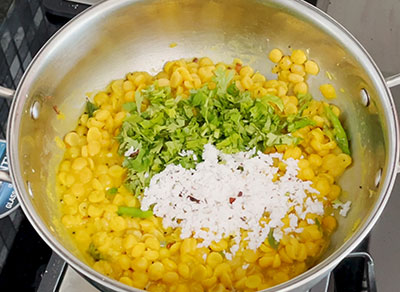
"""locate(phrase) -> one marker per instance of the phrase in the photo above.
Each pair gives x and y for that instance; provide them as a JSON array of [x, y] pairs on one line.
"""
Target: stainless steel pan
[[119, 36]]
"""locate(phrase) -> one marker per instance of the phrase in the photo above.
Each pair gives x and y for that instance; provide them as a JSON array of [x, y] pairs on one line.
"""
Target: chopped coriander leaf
[[112, 191], [90, 108], [274, 100], [318, 223], [129, 106], [337, 201], [222, 79], [233, 90], [139, 100], [304, 101], [300, 123], [94, 252]]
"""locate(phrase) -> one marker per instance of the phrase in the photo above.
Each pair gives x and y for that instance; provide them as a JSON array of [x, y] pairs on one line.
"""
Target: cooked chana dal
[[153, 155]]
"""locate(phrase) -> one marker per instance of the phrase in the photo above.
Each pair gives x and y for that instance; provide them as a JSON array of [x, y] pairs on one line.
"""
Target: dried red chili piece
[[238, 67], [55, 108], [193, 199]]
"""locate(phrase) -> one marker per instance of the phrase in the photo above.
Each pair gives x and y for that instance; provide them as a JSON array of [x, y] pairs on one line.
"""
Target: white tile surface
[[376, 24], [73, 282]]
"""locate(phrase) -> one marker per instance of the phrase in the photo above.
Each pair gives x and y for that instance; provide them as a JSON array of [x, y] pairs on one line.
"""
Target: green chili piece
[[134, 212], [338, 131], [271, 240]]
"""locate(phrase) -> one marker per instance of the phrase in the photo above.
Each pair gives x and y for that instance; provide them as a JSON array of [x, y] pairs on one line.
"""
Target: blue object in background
[[23, 31], [8, 198]]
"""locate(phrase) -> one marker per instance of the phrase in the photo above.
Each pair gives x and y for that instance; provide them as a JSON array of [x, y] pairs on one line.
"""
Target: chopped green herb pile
[[174, 130]]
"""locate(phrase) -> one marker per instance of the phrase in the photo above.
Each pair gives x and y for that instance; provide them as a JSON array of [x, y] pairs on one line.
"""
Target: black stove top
[[23, 255], [23, 30]]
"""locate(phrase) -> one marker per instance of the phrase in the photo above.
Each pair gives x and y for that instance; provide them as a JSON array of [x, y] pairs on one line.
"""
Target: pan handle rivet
[[365, 99], [35, 110], [378, 177]]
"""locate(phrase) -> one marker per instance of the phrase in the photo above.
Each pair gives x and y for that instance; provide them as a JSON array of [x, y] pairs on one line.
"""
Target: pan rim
[[316, 272]]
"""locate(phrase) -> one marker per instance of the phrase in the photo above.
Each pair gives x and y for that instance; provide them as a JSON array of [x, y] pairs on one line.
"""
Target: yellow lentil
[[140, 252]]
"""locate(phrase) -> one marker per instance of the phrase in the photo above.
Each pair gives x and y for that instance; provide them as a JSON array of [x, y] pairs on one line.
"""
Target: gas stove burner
[[60, 11]]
